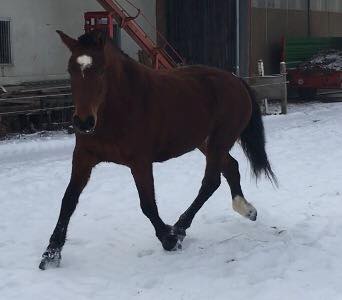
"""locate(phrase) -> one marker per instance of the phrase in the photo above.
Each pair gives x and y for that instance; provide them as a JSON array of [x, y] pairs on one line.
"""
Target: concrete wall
[[38, 53]]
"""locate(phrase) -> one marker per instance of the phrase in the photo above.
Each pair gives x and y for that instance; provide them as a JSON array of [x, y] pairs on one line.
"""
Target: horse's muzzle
[[86, 126]]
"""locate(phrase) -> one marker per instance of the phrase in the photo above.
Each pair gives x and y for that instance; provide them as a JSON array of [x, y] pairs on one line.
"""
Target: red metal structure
[[308, 80], [324, 79], [165, 57], [100, 20]]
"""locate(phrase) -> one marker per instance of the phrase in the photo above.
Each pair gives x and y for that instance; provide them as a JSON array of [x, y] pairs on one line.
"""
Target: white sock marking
[[242, 206]]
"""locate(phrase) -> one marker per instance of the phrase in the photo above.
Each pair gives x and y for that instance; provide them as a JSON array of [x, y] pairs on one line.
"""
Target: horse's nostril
[[86, 125], [76, 121], [90, 122]]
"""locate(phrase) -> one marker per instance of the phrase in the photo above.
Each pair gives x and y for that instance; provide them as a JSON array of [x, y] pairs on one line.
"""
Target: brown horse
[[132, 115]]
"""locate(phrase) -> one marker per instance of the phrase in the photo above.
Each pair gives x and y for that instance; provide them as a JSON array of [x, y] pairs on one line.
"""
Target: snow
[[325, 60], [293, 250]]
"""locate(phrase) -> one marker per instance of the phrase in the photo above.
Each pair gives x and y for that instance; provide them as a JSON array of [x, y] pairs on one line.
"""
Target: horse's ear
[[100, 38], [67, 40]]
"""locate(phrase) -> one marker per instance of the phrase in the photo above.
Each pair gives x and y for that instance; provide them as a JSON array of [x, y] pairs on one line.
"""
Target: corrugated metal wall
[[203, 31], [272, 19]]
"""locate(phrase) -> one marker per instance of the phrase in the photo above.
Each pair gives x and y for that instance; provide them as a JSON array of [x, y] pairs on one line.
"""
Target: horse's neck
[[125, 76], [123, 87], [123, 68]]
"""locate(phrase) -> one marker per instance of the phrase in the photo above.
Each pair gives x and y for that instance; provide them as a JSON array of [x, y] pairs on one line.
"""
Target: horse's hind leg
[[230, 170], [82, 165]]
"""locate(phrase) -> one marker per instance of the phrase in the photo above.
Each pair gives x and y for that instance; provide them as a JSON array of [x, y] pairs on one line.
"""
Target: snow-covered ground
[[293, 251]]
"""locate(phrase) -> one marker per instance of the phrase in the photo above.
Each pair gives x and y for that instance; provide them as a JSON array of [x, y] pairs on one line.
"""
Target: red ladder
[[165, 57]]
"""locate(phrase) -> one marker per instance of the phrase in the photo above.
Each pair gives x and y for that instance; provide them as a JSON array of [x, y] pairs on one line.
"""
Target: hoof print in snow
[[144, 253]]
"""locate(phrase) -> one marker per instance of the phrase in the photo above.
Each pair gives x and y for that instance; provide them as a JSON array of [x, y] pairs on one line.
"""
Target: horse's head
[[87, 67]]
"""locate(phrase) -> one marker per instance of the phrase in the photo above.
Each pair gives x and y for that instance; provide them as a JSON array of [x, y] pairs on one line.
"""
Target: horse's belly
[[184, 135], [172, 153], [179, 145]]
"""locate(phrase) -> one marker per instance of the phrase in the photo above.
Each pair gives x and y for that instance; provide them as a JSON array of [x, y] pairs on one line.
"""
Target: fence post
[[283, 73], [261, 73], [261, 69]]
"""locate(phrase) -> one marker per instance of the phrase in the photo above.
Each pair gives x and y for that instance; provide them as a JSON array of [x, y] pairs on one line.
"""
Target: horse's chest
[[112, 152]]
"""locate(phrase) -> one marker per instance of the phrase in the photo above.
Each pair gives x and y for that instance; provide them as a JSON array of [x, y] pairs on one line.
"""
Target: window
[[5, 42]]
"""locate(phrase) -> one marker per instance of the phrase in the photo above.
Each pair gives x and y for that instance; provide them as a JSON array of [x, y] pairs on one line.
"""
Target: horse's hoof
[[252, 214], [172, 240], [244, 208], [50, 259]]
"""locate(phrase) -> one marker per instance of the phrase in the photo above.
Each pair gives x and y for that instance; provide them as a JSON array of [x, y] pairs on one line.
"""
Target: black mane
[[97, 38], [93, 39]]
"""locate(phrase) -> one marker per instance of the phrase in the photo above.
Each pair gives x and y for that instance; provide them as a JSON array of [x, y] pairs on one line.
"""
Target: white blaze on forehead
[[85, 61]]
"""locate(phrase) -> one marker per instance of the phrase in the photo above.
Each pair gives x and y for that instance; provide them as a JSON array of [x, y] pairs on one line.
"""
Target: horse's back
[[217, 86], [219, 94], [193, 101]]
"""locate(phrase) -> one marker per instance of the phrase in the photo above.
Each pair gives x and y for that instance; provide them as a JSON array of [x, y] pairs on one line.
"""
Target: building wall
[[203, 31], [273, 19], [164, 14], [38, 53], [244, 38]]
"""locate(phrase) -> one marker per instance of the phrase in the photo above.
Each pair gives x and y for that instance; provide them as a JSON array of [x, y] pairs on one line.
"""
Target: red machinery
[[307, 80], [325, 79], [101, 20], [165, 57]]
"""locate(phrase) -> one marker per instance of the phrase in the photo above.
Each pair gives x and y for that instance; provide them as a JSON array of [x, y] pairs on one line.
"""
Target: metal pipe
[[309, 17], [237, 71]]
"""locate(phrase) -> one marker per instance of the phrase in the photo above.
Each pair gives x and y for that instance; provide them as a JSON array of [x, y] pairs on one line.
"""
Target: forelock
[[92, 39]]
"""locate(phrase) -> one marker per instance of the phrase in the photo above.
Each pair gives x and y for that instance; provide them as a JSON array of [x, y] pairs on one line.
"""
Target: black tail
[[253, 142]]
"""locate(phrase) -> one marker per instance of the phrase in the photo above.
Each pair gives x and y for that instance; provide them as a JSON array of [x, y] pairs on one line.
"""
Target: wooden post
[[261, 69], [283, 73], [261, 73]]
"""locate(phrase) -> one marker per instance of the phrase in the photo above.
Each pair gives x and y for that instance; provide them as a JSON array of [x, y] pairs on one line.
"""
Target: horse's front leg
[[143, 176], [82, 165]]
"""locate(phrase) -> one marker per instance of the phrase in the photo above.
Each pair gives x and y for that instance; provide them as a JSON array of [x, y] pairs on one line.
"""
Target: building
[[273, 19], [30, 49], [211, 31], [230, 34]]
